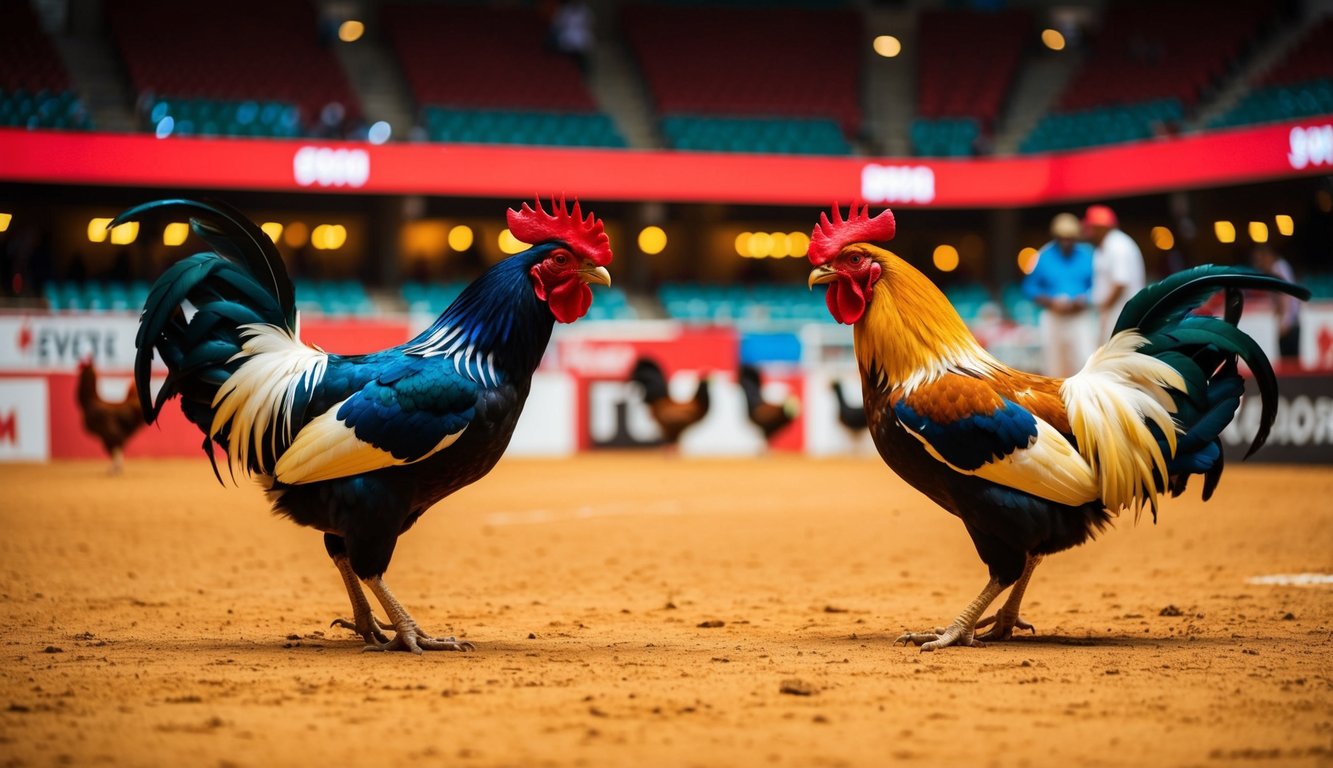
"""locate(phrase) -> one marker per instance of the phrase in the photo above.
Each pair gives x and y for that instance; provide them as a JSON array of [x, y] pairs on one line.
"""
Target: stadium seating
[[749, 134], [1301, 85], [333, 297], [485, 74], [211, 117], [498, 126], [1146, 68], [223, 58], [1101, 125], [94, 296], [966, 66], [757, 64], [945, 137], [34, 86], [763, 304]]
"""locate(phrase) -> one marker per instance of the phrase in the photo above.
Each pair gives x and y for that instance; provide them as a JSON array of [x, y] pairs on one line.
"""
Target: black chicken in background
[[672, 417], [769, 417], [850, 416]]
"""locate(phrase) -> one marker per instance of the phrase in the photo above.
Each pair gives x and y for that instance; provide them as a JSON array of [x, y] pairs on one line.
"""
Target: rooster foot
[[954, 634], [1005, 624], [411, 638], [371, 629]]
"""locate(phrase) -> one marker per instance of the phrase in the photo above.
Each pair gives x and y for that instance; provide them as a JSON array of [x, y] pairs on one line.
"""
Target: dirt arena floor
[[644, 610]]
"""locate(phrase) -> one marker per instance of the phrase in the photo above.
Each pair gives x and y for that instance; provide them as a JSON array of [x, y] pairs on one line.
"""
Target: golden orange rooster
[[1034, 465]]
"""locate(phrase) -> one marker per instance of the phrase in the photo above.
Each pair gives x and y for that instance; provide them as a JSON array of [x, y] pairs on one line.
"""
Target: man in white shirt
[[1117, 267]]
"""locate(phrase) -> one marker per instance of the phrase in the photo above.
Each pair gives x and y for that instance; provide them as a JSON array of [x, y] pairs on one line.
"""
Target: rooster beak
[[592, 273], [822, 274]]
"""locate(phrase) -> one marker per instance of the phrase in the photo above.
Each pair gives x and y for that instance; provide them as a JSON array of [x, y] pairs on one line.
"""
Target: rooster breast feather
[[964, 423]]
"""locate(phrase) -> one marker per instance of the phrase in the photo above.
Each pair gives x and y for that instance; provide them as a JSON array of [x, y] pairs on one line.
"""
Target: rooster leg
[[363, 621], [409, 636], [1007, 618], [963, 628], [117, 461]]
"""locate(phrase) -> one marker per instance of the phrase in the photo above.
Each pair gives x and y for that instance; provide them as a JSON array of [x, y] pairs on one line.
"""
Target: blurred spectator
[[1287, 309], [1117, 266], [1061, 284], [571, 31]]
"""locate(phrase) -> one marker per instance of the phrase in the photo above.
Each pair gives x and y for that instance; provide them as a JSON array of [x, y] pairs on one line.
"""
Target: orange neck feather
[[910, 332]]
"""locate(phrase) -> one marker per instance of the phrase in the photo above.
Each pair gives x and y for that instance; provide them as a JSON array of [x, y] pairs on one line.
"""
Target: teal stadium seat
[[1277, 103], [1104, 125], [772, 135], [495, 126]]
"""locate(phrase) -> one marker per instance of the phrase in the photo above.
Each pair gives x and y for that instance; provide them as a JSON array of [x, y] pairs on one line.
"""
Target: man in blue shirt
[[1061, 284]]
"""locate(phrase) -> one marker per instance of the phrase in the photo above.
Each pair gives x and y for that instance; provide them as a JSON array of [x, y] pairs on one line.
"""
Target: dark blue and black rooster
[[358, 446]]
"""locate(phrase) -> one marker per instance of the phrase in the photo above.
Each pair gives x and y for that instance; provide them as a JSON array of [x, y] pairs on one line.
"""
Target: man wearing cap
[[1117, 266], [1061, 284]]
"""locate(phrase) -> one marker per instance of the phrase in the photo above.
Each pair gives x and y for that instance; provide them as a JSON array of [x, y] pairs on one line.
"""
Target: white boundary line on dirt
[[1294, 579]]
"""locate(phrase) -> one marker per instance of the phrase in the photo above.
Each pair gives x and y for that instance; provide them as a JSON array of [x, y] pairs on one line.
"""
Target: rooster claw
[[1004, 626], [372, 634], [954, 634], [414, 640]]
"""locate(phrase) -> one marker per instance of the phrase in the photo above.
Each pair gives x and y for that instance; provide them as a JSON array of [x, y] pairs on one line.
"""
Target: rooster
[[1033, 465], [769, 417], [850, 415], [111, 423], [672, 417], [358, 447]]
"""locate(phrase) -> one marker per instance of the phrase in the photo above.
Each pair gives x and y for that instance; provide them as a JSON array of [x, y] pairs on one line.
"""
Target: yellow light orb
[[97, 230], [1258, 231], [175, 233], [273, 229], [1027, 260], [510, 244], [1225, 231], [1163, 239], [800, 244], [5, 218], [1051, 38], [761, 245], [743, 244], [125, 233], [945, 258], [781, 247], [1285, 225], [351, 30], [652, 240], [888, 46], [460, 237], [296, 234]]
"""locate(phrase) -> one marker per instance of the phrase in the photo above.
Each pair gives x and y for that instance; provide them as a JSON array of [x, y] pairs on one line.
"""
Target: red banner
[[1218, 158]]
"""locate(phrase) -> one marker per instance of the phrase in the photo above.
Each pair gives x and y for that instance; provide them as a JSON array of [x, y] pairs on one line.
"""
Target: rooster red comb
[[587, 236], [830, 237]]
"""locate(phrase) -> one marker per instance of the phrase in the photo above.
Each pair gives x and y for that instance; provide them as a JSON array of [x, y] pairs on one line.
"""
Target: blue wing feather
[[976, 440]]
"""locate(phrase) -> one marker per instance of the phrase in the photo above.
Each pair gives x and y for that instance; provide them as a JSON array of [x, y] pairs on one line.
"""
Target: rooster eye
[[561, 258], [855, 259]]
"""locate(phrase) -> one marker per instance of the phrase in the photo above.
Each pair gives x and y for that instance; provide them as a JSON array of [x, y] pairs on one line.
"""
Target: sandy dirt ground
[[644, 610]]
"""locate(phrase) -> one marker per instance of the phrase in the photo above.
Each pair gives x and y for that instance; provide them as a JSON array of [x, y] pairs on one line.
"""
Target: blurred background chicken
[[1034, 465], [850, 415], [358, 447], [112, 423], [769, 417], [672, 417]]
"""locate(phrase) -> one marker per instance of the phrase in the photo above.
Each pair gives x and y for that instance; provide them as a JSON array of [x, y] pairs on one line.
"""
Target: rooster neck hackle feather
[[497, 328], [910, 334]]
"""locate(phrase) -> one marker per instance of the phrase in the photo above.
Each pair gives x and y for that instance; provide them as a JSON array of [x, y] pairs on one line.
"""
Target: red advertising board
[[1210, 159]]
